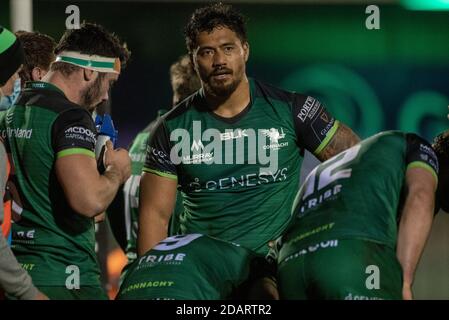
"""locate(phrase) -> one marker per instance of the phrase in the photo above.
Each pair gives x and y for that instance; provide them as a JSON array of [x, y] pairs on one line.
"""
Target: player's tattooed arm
[[343, 139]]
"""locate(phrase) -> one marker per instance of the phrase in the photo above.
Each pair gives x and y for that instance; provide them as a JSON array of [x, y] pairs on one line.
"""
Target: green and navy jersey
[[137, 153], [359, 193], [50, 240], [188, 267], [239, 175]]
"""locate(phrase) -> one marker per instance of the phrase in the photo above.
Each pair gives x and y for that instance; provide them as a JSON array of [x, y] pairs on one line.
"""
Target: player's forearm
[[107, 188], [96, 195], [343, 139], [414, 229], [153, 227], [156, 202]]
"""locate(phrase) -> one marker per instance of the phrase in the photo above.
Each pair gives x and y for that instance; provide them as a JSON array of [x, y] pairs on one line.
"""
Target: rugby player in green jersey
[[234, 147], [188, 267], [51, 137], [360, 222], [184, 82], [39, 55], [14, 280]]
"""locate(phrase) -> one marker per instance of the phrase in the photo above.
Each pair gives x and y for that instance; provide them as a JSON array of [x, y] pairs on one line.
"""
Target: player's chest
[[258, 146]]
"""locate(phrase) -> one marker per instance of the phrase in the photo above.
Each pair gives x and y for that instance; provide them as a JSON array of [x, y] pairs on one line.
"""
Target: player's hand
[[407, 292], [118, 159], [100, 218], [264, 289], [40, 296]]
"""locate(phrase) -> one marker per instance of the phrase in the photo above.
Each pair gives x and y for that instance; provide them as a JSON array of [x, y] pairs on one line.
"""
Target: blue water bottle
[[105, 131]]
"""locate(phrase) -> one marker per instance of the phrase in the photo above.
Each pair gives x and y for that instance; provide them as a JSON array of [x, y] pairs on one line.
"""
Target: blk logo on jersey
[[237, 134]]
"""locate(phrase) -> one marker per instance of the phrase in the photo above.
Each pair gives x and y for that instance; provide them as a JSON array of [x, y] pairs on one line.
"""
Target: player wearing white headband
[[51, 137]]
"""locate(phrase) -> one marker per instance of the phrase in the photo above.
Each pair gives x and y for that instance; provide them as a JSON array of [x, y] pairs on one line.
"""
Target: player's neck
[[233, 104], [66, 84]]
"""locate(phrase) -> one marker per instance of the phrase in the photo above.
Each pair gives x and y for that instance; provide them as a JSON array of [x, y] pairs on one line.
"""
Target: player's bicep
[[157, 195], [73, 142], [77, 174], [421, 181], [156, 202], [73, 171]]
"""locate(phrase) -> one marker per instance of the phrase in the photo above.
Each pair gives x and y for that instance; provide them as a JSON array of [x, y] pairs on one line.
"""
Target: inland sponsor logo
[[17, 133]]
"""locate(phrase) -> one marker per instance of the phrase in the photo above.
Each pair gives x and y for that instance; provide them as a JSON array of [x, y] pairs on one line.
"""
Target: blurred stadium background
[[396, 77]]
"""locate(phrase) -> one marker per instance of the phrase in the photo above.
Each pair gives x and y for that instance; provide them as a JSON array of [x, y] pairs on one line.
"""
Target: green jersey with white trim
[[131, 191], [359, 193], [50, 240], [239, 175], [188, 267]]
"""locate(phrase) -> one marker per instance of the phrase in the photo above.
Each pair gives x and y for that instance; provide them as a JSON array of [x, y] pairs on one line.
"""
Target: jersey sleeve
[[314, 125], [421, 154], [74, 132], [157, 159]]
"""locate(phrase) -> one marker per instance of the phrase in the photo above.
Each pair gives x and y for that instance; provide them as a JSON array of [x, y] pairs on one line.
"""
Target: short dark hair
[[441, 147], [183, 78], [91, 39], [39, 52], [213, 16]]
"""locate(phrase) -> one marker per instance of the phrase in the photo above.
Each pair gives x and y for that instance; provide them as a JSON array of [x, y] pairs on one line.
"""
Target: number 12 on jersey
[[330, 171]]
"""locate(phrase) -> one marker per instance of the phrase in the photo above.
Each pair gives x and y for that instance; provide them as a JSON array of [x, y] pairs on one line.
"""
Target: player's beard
[[91, 97], [222, 88]]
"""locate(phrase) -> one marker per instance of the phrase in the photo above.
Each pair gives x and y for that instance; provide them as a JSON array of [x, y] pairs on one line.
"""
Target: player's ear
[[88, 74], [192, 56], [37, 74], [246, 51]]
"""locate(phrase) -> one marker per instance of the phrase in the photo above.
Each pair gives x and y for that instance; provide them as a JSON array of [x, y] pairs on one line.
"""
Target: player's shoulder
[[149, 127], [178, 114], [266, 90], [383, 136], [406, 137], [75, 114], [50, 99], [193, 102]]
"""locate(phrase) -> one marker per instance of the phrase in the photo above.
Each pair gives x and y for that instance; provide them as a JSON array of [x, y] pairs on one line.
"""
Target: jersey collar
[[42, 85], [237, 117]]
